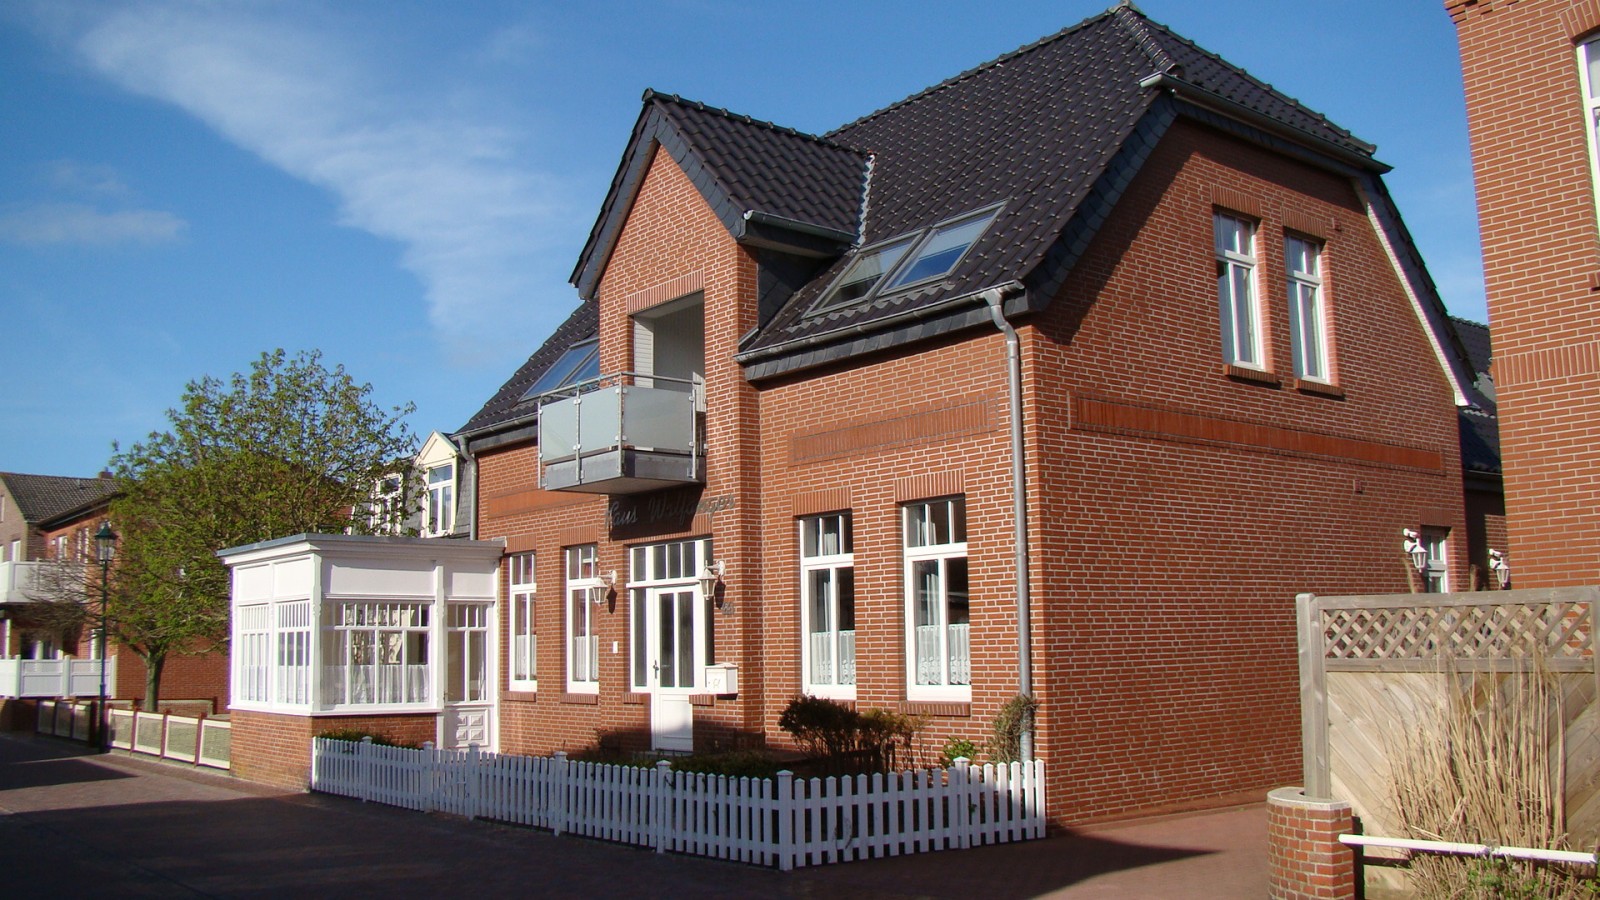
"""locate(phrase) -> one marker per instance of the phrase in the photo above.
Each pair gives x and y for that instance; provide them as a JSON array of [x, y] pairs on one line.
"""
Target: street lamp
[[105, 547]]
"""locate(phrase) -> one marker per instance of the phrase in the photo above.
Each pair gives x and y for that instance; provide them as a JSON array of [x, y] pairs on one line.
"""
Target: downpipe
[[1019, 508]]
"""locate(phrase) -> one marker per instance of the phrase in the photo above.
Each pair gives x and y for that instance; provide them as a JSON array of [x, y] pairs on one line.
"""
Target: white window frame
[[1588, 64], [672, 564], [827, 567], [402, 631], [1242, 343], [583, 586], [468, 657], [924, 545], [1436, 575], [1308, 311], [439, 518], [524, 622], [252, 646]]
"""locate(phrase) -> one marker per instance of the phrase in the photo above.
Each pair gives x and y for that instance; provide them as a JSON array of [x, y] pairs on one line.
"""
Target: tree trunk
[[152, 681]]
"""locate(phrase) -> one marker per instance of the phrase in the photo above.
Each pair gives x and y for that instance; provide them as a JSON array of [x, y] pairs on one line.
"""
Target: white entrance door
[[672, 640], [469, 678]]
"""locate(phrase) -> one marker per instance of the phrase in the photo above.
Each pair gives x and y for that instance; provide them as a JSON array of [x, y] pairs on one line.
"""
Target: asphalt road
[[77, 825]]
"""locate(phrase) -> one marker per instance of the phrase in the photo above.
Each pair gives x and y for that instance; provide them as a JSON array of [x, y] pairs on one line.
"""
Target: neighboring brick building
[[1532, 77], [777, 434]]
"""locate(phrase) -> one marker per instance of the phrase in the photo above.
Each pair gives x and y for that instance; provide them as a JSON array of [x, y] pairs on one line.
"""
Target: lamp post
[[105, 547]]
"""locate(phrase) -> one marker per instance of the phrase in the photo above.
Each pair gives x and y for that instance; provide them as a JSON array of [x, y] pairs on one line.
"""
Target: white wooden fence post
[[558, 793], [363, 756], [431, 780], [661, 809], [960, 787], [472, 781], [785, 807]]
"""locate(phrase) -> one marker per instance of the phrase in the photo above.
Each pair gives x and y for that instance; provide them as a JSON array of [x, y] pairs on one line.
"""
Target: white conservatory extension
[[329, 624]]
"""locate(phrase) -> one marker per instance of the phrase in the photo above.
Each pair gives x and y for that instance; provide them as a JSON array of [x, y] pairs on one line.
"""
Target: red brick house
[[1061, 377], [1532, 76]]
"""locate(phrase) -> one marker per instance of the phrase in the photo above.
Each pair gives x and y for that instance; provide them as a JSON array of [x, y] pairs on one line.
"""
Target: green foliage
[[842, 740], [958, 748], [1015, 717], [733, 763], [357, 735], [287, 448]]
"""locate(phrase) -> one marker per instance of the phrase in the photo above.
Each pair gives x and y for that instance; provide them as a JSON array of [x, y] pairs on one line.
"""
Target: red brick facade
[[1536, 202], [1176, 507], [276, 749], [1305, 860]]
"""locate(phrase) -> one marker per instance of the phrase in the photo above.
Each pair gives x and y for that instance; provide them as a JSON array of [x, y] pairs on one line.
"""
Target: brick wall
[[1536, 206], [273, 748]]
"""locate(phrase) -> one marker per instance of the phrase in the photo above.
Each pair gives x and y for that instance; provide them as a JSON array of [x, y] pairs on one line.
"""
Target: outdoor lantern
[[710, 577], [598, 595], [1500, 568], [105, 544], [1416, 549]]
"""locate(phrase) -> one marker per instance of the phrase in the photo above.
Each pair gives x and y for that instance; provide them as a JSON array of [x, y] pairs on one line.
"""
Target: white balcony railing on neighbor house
[[24, 582], [621, 434], [64, 677]]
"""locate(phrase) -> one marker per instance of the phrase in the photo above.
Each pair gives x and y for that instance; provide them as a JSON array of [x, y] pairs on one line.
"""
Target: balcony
[[624, 433], [24, 582]]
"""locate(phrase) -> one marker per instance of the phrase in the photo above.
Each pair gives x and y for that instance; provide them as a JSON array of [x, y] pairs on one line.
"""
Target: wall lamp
[[711, 578], [1500, 567], [598, 595], [1415, 549]]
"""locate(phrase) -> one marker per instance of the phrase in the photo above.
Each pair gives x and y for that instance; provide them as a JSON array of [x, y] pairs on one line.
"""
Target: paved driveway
[[118, 826]]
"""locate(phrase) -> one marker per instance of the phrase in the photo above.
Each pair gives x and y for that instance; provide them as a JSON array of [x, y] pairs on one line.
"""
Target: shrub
[[356, 735], [1015, 717], [842, 740], [958, 748]]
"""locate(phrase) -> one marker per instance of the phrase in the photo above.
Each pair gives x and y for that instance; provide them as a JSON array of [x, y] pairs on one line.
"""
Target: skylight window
[[906, 261], [581, 362], [865, 273], [941, 251]]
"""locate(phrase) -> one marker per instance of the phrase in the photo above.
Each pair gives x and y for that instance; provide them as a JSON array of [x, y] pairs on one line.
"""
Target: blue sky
[[406, 185]]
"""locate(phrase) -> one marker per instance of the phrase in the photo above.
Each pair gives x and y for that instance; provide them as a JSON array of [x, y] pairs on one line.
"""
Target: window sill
[[520, 695], [1320, 388], [581, 699], [634, 698], [943, 708], [1255, 376]]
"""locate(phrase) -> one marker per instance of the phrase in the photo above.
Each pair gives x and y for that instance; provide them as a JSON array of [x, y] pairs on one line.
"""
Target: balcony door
[[669, 341], [468, 716]]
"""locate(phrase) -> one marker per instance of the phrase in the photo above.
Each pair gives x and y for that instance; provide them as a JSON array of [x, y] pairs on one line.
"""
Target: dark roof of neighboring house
[[1479, 425], [507, 405], [45, 497]]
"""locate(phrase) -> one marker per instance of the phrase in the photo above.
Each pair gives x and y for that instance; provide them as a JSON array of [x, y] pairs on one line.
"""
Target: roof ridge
[[1466, 321], [652, 94], [1245, 73], [1133, 19], [981, 67]]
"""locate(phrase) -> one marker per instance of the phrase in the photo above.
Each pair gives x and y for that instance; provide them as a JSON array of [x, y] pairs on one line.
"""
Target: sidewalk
[[104, 826]]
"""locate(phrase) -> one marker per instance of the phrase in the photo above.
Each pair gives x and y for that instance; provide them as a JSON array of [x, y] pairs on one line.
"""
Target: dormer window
[[580, 363], [889, 267]]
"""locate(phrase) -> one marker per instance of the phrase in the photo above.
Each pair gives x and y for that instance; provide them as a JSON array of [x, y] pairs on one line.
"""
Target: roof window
[[581, 362], [889, 267]]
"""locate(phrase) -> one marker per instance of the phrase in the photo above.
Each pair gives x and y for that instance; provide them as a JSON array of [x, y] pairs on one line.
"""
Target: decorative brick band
[[975, 415], [682, 286], [1581, 18], [1238, 201], [1313, 226], [1090, 414], [826, 500], [1572, 360], [580, 534], [931, 708], [1305, 860], [939, 484]]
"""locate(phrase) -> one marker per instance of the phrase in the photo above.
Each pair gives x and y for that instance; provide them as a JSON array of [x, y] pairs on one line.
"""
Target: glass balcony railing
[[621, 434]]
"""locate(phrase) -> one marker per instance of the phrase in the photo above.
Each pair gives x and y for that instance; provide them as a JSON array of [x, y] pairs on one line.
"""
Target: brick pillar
[[1305, 860]]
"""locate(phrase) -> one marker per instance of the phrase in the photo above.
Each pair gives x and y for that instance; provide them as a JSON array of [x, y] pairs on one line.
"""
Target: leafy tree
[[289, 447]]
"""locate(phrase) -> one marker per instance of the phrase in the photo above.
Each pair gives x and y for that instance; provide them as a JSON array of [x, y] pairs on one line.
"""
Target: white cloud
[[87, 179], [447, 188], [75, 223]]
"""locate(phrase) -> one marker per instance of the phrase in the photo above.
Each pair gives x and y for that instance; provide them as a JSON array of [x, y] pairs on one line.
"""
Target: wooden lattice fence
[[1376, 667]]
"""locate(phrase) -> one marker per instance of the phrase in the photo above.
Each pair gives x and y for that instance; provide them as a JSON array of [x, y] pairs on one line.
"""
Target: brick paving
[[117, 826]]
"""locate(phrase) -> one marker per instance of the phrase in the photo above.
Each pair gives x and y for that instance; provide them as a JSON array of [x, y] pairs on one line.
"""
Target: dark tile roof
[[1054, 131], [1479, 426], [506, 405], [45, 497]]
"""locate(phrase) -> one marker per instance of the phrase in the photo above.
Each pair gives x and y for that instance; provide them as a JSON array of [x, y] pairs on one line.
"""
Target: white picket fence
[[783, 821]]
